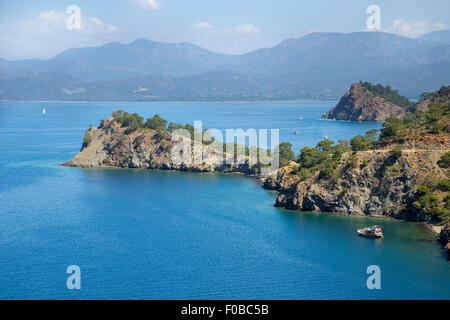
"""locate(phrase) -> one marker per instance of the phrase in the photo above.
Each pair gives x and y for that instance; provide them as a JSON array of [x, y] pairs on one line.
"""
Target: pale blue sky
[[37, 29]]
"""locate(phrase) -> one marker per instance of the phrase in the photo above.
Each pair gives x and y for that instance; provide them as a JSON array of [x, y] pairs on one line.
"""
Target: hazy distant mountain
[[316, 65], [442, 36], [359, 53], [120, 61]]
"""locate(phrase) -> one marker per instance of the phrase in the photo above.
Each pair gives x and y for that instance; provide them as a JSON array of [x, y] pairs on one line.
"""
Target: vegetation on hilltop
[[387, 93], [443, 92], [134, 121], [434, 121], [322, 158], [363, 143]]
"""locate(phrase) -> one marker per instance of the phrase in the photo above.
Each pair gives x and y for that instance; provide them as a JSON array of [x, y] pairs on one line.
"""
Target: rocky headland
[[114, 144], [367, 102], [360, 104]]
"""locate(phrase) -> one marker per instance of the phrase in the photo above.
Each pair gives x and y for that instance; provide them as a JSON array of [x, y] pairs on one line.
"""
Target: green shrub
[[427, 204], [328, 173], [387, 93], [394, 170], [396, 152], [286, 155], [442, 214], [302, 173], [435, 127], [447, 201], [352, 161], [323, 158], [86, 141], [423, 190], [426, 199], [128, 120], [156, 123], [391, 127], [443, 185], [444, 162], [363, 143], [129, 130]]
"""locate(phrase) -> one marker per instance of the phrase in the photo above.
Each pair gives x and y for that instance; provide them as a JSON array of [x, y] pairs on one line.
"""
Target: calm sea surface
[[171, 235]]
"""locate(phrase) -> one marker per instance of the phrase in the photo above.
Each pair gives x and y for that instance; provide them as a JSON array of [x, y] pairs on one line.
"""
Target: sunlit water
[[171, 235]]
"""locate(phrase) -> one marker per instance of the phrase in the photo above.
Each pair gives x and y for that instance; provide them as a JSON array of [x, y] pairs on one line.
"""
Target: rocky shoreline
[[112, 146]]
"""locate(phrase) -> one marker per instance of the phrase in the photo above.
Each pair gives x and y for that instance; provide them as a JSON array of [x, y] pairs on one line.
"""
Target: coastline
[[433, 229], [366, 188], [436, 230]]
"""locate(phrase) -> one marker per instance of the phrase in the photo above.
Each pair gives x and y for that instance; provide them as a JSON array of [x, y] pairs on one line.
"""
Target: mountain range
[[318, 65], [442, 36]]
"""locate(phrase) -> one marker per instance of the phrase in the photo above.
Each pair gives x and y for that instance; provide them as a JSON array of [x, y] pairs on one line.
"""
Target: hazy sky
[[38, 29]]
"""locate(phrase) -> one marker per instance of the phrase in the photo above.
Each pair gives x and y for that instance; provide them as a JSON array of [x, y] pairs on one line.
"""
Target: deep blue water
[[171, 235]]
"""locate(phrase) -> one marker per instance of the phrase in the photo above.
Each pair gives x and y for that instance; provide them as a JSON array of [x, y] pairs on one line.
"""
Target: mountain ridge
[[316, 65]]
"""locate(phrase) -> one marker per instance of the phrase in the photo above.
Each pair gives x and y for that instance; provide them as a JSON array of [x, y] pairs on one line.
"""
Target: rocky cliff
[[115, 145], [403, 174], [359, 104], [376, 183]]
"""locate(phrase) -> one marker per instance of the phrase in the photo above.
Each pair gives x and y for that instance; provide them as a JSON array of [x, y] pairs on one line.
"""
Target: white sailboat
[[43, 110]]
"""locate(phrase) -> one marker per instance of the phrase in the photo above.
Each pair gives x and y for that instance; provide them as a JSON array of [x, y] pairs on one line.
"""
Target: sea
[[141, 234]]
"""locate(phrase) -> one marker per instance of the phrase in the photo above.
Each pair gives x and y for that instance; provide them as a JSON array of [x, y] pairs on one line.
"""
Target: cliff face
[[115, 146], [359, 104], [377, 184], [444, 238]]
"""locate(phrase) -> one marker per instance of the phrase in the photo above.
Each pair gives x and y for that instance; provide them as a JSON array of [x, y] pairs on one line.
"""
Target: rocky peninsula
[[128, 145], [362, 104], [402, 172], [367, 102]]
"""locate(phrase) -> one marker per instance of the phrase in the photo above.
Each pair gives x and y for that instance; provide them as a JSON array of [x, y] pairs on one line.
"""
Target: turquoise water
[[171, 235]]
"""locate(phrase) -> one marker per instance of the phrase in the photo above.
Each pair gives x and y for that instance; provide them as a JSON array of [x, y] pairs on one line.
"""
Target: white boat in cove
[[43, 110], [371, 232]]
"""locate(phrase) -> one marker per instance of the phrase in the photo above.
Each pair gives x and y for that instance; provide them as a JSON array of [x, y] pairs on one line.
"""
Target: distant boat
[[295, 132], [325, 137], [300, 118], [43, 110]]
